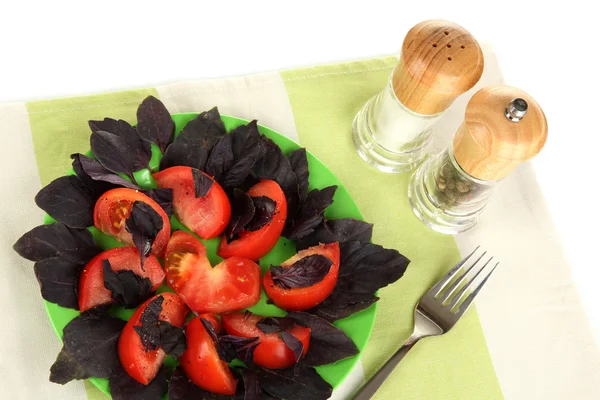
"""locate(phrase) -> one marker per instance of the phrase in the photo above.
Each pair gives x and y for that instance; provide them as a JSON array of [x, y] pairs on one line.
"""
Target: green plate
[[357, 326]]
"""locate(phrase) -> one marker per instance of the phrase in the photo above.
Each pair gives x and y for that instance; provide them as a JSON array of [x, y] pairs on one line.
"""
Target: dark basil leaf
[[242, 211], [297, 383], [68, 200], [89, 347], [293, 344], [244, 347], [303, 273], [264, 208], [233, 157], [275, 324], [273, 164], [299, 164], [66, 369], [210, 329], [338, 230], [144, 224], [163, 197], [364, 269], [173, 340], [195, 142], [202, 183], [85, 166], [182, 388], [139, 148], [57, 240], [128, 289], [155, 124], [328, 343], [252, 390], [124, 387], [59, 281], [247, 314], [148, 330], [112, 152], [311, 213]]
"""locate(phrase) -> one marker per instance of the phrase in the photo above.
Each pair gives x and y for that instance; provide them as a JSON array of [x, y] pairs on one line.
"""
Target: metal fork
[[437, 312]]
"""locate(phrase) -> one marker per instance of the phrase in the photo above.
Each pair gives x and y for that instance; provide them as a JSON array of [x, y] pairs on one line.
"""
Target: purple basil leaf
[[328, 343], [233, 157], [124, 387], [303, 273], [193, 145], [210, 329], [273, 164], [182, 388], [90, 343], [244, 347], [112, 152], [106, 180], [140, 149], [275, 324], [264, 208], [338, 230], [155, 124], [339, 306], [149, 331], [68, 200], [299, 164], [247, 314], [172, 339], [128, 289], [242, 212], [252, 390], [59, 281], [296, 383], [293, 344], [202, 183], [163, 197], [57, 240], [144, 224], [311, 213]]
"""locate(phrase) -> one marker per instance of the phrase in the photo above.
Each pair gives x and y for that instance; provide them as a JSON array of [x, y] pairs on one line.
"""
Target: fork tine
[[465, 304], [460, 280], [438, 287]]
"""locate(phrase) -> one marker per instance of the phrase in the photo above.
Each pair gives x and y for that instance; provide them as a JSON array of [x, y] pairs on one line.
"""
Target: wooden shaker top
[[489, 144], [440, 60]]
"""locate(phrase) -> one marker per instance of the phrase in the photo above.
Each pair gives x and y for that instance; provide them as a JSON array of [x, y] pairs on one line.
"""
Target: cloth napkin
[[526, 338]]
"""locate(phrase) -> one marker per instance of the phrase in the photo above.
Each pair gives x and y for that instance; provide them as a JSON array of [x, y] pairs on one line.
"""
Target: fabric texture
[[315, 106]]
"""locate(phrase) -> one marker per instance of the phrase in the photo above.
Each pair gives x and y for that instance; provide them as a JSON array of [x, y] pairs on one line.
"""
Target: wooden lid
[[440, 60], [503, 127]]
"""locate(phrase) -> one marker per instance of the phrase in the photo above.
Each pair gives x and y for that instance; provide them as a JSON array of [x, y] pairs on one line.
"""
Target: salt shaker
[[503, 127], [440, 60]]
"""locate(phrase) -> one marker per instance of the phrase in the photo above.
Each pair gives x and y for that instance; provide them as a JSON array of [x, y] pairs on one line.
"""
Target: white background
[[54, 49]]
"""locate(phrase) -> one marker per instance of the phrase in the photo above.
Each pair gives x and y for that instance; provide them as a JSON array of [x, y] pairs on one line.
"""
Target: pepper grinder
[[440, 60], [503, 127]]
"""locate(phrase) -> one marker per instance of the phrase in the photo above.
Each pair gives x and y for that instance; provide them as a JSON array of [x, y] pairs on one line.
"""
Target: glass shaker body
[[445, 197], [390, 136]]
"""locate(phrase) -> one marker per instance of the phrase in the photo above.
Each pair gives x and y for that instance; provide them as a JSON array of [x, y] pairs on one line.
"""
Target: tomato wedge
[[206, 216], [272, 352], [257, 244], [201, 362], [299, 299], [232, 285], [114, 207], [140, 364], [92, 292]]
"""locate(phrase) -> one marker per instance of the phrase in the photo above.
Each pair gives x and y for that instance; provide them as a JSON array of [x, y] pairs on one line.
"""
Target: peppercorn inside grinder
[[440, 60], [503, 127]]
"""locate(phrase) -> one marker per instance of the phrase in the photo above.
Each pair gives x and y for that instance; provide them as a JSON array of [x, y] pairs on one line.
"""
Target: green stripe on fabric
[[457, 365], [59, 127]]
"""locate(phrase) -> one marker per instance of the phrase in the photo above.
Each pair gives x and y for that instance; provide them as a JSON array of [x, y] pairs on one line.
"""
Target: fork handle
[[369, 388]]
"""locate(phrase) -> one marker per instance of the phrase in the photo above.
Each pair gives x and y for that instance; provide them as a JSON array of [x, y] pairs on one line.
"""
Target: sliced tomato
[[202, 364], [232, 285], [257, 244], [92, 292], [299, 299], [140, 364], [206, 216], [114, 207], [272, 352]]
